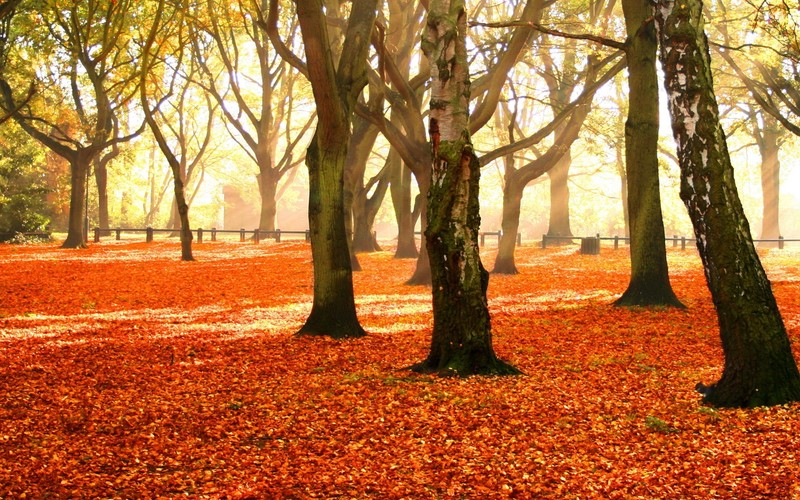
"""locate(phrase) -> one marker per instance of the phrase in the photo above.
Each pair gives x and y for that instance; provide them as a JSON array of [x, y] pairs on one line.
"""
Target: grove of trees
[[118, 113]]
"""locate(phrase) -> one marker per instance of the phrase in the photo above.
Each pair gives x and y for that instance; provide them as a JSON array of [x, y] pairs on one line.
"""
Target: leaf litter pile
[[127, 373]]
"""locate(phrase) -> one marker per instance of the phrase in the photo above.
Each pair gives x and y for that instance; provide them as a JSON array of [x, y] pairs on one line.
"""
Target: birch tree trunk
[[759, 366], [461, 342]]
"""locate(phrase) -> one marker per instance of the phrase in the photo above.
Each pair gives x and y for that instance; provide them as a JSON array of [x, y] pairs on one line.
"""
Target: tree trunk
[[512, 206], [770, 181], [559, 200], [422, 272], [649, 284], [267, 188], [461, 342], [333, 312], [101, 179], [759, 366], [401, 200], [79, 172]]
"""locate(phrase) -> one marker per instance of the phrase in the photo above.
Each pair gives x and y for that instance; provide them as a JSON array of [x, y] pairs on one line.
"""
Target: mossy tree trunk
[[759, 366], [461, 342], [335, 89], [649, 284]]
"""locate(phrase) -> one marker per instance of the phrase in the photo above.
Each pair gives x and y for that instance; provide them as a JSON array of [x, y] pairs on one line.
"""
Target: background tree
[[166, 57], [79, 60], [759, 367]]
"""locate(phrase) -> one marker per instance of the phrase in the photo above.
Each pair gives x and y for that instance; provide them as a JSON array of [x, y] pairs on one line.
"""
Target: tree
[[335, 89], [172, 46], [255, 99], [759, 366], [649, 285], [82, 59], [461, 342]]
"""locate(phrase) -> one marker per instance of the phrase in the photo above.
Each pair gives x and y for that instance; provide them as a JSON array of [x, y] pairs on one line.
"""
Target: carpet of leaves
[[125, 373]]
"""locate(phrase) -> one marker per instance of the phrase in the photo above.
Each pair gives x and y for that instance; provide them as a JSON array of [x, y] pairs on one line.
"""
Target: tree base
[[331, 325], [406, 252], [465, 366], [638, 297], [72, 243], [722, 395], [505, 266]]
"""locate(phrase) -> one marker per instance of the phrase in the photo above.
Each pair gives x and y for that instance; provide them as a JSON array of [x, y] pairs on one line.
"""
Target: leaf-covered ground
[[125, 373]]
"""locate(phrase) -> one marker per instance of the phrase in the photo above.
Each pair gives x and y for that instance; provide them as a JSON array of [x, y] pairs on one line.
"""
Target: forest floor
[[125, 373]]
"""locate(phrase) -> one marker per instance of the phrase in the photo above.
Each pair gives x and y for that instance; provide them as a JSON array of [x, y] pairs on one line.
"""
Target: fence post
[[148, 234], [780, 242], [674, 240], [483, 238], [199, 234], [241, 235], [257, 235], [213, 234], [519, 239], [544, 241], [616, 241], [277, 235], [308, 235], [683, 242], [97, 235]]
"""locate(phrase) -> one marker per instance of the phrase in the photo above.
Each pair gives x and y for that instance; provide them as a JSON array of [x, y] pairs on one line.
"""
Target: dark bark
[[759, 366], [649, 284], [401, 200], [335, 91]]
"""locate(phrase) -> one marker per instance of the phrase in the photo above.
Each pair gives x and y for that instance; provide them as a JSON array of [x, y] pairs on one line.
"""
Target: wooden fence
[[255, 234], [593, 247]]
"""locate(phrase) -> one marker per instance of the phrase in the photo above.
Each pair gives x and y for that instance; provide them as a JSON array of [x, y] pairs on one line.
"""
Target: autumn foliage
[[127, 373]]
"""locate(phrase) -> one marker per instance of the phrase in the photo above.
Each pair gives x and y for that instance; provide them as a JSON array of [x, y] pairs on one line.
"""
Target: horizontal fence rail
[[484, 234], [255, 234], [676, 240]]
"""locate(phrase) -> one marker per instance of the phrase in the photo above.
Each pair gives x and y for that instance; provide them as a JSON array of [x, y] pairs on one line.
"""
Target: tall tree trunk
[[649, 284], [461, 342], [79, 172], [759, 366], [769, 147], [333, 312], [559, 199]]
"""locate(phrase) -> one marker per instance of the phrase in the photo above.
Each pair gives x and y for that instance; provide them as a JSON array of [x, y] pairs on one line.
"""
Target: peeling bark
[[759, 366], [461, 342]]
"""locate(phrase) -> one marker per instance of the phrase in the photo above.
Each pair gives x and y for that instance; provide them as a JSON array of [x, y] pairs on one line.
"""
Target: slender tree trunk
[[79, 172], [649, 284], [770, 181], [461, 342], [759, 366], [512, 206], [422, 272], [101, 179]]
